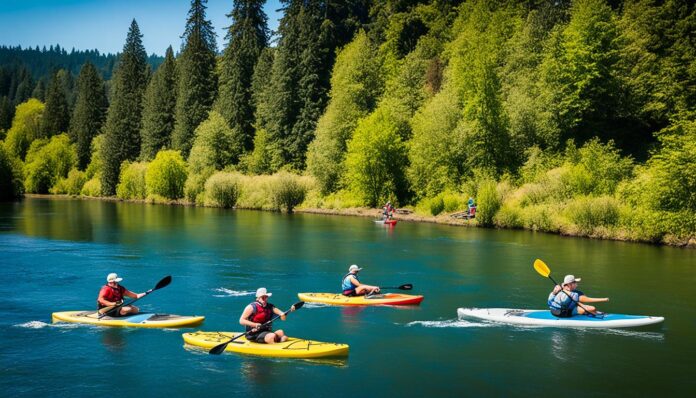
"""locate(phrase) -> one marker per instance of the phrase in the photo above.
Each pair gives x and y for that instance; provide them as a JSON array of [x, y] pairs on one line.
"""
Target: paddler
[[111, 295], [256, 315], [563, 300], [351, 286]]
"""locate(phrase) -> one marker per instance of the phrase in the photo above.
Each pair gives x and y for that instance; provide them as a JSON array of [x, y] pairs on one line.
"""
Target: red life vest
[[113, 294], [260, 314]]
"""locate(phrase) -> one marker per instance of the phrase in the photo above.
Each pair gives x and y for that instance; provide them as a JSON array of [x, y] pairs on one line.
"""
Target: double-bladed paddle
[[162, 283], [220, 348], [545, 271]]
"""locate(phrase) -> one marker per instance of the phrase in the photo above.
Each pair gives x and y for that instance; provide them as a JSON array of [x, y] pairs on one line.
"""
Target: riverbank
[[401, 215]]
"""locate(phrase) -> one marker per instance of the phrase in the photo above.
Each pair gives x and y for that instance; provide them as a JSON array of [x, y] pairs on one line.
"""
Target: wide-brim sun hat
[[113, 277], [260, 292]]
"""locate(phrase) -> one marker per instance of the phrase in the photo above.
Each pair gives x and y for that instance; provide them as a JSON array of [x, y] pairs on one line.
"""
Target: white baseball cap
[[354, 268], [262, 292], [570, 279], [113, 277]]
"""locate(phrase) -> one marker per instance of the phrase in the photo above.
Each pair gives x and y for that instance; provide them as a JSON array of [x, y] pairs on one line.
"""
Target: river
[[56, 253]]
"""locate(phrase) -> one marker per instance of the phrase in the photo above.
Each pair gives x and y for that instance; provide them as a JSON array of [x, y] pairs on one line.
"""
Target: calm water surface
[[55, 254]]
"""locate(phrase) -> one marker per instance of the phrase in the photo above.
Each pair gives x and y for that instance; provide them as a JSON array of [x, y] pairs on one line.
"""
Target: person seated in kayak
[[388, 211], [351, 286], [563, 300], [111, 295], [255, 316]]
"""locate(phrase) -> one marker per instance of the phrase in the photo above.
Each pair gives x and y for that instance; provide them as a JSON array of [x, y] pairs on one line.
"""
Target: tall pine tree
[[56, 117], [123, 121], [247, 37], [90, 111], [197, 80], [159, 107]]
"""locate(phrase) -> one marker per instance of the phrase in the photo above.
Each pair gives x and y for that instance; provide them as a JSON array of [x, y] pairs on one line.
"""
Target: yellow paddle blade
[[542, 268]]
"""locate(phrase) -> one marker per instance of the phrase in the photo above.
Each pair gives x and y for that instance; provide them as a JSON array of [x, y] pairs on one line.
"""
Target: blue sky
[[103, 24]]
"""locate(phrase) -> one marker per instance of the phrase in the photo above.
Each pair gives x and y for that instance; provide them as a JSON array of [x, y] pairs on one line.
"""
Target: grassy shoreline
[[444, 219]]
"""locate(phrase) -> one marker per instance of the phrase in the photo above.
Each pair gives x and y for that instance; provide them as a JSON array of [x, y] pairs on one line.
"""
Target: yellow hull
[[381, 299], [147, 320], [293, 348]]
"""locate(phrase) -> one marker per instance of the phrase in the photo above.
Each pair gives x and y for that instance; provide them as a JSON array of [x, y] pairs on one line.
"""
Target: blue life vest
[[347, 286], [563, 301]]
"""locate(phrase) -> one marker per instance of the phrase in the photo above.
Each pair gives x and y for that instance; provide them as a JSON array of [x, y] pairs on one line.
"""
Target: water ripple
[[231, 293], [450, 323]]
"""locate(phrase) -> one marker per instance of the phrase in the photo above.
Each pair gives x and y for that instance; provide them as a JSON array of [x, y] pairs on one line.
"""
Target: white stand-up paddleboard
[[545, 318]]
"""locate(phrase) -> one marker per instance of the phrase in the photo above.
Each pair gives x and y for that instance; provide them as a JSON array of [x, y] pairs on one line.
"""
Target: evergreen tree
[[159, 107], [261, 89], [23, 86], [56, 118], [197, 80], [39, 91], [123, 121], [90, 111], [247, 37], [6, 115]]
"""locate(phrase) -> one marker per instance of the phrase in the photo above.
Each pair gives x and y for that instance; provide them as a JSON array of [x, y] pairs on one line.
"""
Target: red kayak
[[386, 222]]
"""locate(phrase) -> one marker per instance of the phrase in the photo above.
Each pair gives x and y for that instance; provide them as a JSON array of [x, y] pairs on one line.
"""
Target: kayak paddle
[[162, 283], [220, 348], [545, 271], [406, 286]]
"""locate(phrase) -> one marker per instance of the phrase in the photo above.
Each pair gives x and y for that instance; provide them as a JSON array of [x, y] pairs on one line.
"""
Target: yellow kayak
[[377, 299], [143, 320], [293, 348]]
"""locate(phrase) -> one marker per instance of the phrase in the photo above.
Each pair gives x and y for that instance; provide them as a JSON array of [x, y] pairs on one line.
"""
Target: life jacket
[[113, 294], [260, 314], [562, 301], [347, 286]]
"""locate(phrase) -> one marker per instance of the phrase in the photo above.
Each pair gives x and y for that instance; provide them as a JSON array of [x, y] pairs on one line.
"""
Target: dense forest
[[573, 117]]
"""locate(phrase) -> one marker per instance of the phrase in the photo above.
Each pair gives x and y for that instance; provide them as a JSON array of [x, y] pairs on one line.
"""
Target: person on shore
[[563, 300], [256, 315], [351, 286], [471, 207], [111, 295]]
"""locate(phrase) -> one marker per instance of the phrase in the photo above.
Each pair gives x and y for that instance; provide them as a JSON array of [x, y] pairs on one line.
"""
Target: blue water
[[56, 253]]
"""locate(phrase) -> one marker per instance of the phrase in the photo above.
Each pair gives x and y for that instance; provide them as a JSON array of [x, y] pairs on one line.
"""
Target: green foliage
[[26, 127], [265, 158], [132, 181], [489, 201], [89, 114], [247, 37], [222, 189], [96, 160], [47, 162], [197, 80], [166, 175], [56, 116], [158, 108], [72, 184], [375, 160], [589, 213], [598, 169], [578, 86], [11, 186], [123, 121], [437, 151], [92, 187], [195, 186], [668, 180], [355, 86], [287, 191], [215, 145]]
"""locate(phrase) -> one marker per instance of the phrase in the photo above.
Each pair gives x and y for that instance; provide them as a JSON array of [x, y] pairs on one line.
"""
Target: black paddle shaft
[[162, 283]]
